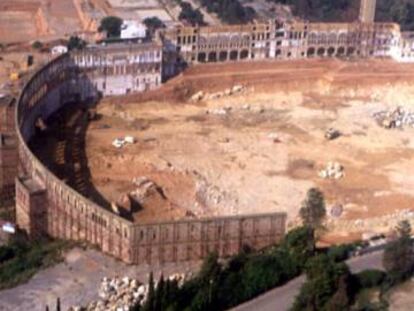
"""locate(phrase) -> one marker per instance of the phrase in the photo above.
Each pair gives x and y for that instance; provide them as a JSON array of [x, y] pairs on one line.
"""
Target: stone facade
[[119, 69], [281, 40], [8, 150]]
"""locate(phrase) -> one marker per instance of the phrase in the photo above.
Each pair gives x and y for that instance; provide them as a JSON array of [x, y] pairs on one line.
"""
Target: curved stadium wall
[[45, 205]]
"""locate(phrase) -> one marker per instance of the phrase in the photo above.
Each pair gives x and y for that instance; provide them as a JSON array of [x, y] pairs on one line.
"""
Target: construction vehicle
[[332, 134]]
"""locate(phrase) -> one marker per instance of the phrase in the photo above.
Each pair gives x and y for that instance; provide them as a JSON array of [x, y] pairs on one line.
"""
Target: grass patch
[[20, 259]]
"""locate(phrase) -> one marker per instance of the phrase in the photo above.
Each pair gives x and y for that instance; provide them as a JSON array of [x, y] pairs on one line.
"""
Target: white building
[[133, 30], [59, 49]]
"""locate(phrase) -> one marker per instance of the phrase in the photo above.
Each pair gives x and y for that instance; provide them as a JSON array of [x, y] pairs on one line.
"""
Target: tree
[[159, 294], [194, 17], [398, 257], [300, 243], [341, 300], [153, 23], [76, 43], [313, 209], [230, 11], [150, 303], [323, 282], [112, 26], [37, 45]]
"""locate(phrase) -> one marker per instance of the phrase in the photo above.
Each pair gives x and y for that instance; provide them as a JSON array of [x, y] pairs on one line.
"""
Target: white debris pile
[[197, 96], [219, 111], [227, 92], [122, 294], [333, 170], [394, 118], [121, 142]]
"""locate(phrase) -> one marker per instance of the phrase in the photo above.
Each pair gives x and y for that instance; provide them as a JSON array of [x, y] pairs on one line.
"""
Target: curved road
[[281, 298]]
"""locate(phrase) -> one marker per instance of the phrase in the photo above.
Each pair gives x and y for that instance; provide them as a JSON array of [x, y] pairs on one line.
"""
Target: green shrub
[[6, 253], [20, 260], [370, 278], [340, 252], [37, 45]]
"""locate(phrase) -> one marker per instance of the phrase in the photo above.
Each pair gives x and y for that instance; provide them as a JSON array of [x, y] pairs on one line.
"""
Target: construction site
[[250, 138]]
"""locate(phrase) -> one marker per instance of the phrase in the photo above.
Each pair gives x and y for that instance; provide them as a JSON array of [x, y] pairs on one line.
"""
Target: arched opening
[[350, 51], [341, 51], [313, 38], [322, 38], [332, 38], [331, 51], [202, 57], [321, 52], [223, 56], [234, 55], [212, 57], [311, 52], [278, 53], [244, 54]]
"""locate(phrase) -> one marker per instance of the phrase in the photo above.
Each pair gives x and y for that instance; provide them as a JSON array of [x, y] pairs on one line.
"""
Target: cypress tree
[[150, 303], [159, 293]]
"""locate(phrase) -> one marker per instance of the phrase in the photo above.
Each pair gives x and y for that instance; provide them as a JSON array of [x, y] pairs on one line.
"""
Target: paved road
[[281, 298]]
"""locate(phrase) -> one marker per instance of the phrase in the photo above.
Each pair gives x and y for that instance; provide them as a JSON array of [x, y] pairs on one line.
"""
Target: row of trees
[[229, 11], [399, 11], [190, 15], [330, 285], [222, 285]]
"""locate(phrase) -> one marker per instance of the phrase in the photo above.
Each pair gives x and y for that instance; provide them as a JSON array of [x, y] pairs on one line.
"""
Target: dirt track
[[265, 153]]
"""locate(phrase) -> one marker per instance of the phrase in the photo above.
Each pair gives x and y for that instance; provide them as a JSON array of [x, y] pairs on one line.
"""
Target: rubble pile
[[333, 170], [145, 188], [122, 294], [199, 96], [121, 142], [394, 118]]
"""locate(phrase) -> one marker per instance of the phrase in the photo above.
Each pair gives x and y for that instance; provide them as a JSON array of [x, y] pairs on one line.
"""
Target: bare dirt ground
[[401, 298], [265, 151], [26, 20], [211, 164]]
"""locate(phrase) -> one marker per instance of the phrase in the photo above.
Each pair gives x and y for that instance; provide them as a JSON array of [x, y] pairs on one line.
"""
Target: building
[[119, 69], [279, 40], [133, 30], [59, 49], [8, 150], [46, 205], [367, 11]]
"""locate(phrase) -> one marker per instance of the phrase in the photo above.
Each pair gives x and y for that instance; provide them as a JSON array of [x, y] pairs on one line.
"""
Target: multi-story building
[[118, 69], [277, 40]]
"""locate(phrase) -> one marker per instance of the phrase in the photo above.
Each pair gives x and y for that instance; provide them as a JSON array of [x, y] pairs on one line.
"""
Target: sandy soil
[[401, 298], [17, 26], [208, 164], [28, 20]]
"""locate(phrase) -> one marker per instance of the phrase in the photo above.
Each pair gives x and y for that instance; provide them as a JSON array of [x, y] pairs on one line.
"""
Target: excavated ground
[[266, 151]]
